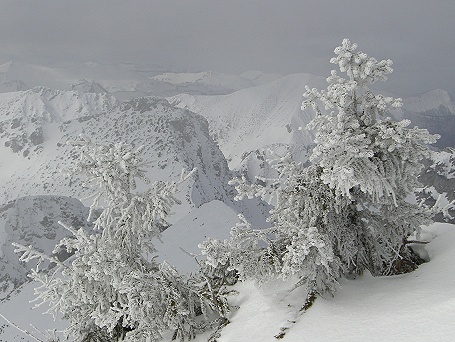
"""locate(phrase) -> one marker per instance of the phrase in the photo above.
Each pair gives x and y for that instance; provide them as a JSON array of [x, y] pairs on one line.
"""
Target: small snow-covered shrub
[[109, 290]]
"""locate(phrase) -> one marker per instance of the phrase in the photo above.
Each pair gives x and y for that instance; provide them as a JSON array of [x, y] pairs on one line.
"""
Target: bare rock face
[[438, 178]]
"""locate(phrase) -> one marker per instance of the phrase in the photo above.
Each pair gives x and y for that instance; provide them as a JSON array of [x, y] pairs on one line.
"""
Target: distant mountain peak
[[25, 115], [430, 100], [91, 64], [6, 67], [181, 78]]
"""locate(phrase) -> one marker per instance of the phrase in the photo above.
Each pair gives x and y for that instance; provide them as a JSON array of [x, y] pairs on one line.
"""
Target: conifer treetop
[[362, 71], [360, 68], [355, 147]]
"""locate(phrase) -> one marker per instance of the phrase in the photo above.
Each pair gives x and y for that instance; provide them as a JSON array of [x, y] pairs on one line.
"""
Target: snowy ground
[[418, 306]]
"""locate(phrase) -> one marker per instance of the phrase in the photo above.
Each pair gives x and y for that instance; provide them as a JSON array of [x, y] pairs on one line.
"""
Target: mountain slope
[[252, 118], [255, 117], [174, 139], [433, 110], [23, 115], [417, 306], [34, 221]]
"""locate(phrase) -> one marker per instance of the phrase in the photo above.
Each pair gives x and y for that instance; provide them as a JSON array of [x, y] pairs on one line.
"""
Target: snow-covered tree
[[112, 288], [349, 210], [298, 244], [369, 161]]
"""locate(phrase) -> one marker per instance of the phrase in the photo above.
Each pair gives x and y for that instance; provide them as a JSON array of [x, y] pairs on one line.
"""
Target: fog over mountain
[[234, 36]]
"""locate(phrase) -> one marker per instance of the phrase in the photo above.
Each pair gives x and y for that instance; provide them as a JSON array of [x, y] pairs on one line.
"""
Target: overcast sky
[[237, 35]]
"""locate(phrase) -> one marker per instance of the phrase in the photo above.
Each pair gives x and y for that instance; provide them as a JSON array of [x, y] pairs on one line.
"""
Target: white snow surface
[[211, 220], [18, 308], [418, 306], [53, 105]]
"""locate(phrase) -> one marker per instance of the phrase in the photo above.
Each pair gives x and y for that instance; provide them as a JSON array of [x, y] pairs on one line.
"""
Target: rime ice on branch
[[371, 161], [347, 212], [112, 288]]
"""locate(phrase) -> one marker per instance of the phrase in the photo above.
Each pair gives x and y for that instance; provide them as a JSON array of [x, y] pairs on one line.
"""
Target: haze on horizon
[[238, 35]]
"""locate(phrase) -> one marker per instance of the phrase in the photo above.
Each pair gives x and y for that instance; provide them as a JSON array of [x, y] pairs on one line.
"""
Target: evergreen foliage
[[109, 290], [369, 161], [349, 210]]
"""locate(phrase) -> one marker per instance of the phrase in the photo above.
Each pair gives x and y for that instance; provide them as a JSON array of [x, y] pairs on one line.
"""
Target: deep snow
[[418, 306]]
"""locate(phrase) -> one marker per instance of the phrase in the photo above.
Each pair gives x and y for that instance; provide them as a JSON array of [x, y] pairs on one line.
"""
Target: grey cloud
[[234, 36]]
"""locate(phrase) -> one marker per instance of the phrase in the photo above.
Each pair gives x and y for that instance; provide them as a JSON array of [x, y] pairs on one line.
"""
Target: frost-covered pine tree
[[369, 161], [112, 288], [349, 210]]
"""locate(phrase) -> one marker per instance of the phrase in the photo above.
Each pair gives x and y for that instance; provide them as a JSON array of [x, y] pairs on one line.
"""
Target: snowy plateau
[[224, 126]]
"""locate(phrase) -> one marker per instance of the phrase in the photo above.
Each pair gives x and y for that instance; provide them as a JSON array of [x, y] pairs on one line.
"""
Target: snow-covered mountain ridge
[[25, 114], [174, 139], [433, 110], [251, 119], [254, 117], [125, 81], [429, 101]]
